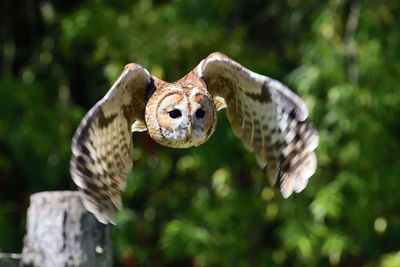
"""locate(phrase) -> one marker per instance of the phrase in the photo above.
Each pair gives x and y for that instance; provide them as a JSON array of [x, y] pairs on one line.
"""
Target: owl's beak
[[190, 128]]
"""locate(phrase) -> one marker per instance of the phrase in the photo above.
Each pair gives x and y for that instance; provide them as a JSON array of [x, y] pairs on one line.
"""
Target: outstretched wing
[[101, 146], [269, 118]]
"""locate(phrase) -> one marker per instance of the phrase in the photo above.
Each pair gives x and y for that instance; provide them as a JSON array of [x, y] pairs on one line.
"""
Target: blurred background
[[212, 205]]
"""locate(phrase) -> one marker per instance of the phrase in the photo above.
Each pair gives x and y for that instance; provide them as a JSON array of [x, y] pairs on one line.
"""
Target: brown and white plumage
[[269, 118]]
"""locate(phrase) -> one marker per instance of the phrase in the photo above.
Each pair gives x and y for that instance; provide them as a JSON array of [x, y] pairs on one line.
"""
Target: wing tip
[[297, 181], [105, 217]]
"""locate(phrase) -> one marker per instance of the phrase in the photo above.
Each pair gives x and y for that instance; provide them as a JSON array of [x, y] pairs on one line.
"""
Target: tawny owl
[[269, 118]]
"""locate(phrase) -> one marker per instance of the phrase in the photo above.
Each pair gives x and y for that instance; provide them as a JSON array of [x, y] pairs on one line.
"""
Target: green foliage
[[212, 205]]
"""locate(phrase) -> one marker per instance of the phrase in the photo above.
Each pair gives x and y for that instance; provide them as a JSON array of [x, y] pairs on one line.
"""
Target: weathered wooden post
[[61, 232], [10, 259]]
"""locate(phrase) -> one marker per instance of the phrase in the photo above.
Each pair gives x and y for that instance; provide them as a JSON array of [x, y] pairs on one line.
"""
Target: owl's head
[[181, 117]]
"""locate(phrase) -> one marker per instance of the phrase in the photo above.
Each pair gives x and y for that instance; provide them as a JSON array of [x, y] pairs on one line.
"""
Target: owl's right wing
[[102, 144]]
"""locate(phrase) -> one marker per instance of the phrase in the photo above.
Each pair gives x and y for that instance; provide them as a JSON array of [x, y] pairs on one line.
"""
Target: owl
[[270, 119]]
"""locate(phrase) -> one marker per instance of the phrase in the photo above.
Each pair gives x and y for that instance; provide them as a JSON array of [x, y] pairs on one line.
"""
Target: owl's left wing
[[269, 118], [102, 144]]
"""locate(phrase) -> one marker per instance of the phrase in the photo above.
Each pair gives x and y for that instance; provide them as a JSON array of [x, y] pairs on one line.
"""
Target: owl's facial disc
[[173, 117], [183, 119], [203, 116]]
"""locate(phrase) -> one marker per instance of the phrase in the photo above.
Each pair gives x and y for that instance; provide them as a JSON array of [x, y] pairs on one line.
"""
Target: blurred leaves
[[187, 239], [327, 203], [391, 260], [212, 205]]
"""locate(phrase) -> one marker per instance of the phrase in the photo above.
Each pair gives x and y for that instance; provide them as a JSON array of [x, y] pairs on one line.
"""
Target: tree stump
[[61, 232], [10, 260]]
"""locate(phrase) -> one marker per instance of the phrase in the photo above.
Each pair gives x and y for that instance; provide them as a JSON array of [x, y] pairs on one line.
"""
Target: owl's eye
[[200, 113], [176, 113]]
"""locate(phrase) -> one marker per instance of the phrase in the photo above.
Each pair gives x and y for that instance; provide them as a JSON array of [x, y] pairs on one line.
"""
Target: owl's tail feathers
[[297, 161]]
